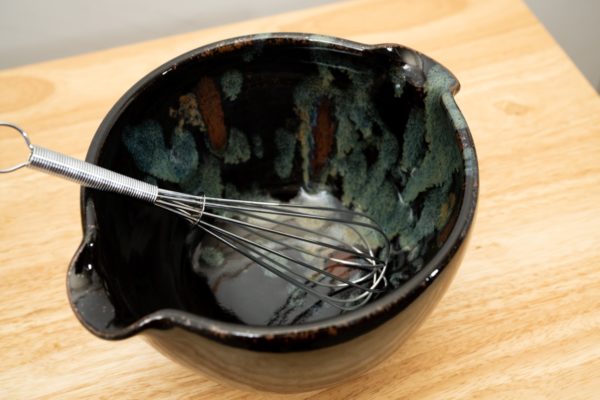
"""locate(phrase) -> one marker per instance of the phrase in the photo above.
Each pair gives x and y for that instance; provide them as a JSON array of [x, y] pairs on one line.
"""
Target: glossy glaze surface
[[288, 372], [376, 126]]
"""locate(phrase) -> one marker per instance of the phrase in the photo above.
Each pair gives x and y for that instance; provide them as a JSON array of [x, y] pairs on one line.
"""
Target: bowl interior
[[267, 120]]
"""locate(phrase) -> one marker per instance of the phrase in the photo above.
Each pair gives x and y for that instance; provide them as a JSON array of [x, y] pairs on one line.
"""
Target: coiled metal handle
[[90, 175], [83, 173]]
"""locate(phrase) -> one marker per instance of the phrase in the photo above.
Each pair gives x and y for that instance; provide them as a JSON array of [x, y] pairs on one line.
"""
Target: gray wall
[[37, 30], [575, 24]]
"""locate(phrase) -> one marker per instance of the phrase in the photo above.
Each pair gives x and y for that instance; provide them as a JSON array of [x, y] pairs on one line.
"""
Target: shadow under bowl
[[268, 115]]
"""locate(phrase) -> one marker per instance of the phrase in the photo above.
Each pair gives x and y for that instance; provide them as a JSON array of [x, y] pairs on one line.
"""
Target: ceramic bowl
[[267, 115]]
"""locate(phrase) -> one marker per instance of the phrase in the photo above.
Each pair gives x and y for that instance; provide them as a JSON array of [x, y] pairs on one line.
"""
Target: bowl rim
[[311, 335]]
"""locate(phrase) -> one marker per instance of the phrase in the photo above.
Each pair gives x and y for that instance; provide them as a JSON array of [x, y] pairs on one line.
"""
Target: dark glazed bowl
[[263, 116]]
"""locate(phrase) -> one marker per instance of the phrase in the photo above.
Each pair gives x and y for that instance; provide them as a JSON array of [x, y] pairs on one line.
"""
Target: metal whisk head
[[337, 255]]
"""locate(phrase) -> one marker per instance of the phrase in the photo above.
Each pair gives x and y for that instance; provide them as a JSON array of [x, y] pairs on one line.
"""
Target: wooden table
[[521, 320]]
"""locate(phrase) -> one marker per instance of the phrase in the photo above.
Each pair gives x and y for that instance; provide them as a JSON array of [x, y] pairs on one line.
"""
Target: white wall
[[37, 30], [575, 24]]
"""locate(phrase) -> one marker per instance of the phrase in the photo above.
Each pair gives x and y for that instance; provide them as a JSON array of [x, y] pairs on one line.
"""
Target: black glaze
[[113, 277]]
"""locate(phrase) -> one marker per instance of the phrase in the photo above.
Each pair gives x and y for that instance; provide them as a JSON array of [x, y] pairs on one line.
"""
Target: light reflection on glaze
[[404, 179]]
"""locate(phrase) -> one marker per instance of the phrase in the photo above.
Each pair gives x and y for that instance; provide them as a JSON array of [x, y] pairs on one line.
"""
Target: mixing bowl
[[274, 116]]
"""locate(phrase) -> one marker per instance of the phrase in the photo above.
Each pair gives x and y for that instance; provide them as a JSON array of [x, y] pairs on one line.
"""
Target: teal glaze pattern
[[267, 117], [231, 84], [238, 148], [285, 143], [206, 178], [147, 145], [400, 166], [210, 256], [257, 147]]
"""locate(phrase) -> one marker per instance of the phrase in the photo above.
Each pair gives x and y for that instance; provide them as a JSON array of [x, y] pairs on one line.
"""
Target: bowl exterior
[[296, 358], [292, 372]]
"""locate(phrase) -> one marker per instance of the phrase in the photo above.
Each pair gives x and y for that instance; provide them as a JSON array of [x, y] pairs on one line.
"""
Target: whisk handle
[[90, 175]]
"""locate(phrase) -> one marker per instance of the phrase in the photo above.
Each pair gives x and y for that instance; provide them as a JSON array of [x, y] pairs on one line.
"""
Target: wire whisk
[[335, 254]]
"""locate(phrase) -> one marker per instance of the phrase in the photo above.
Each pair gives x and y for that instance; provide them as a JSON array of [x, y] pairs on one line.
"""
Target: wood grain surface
[[522, 318]]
